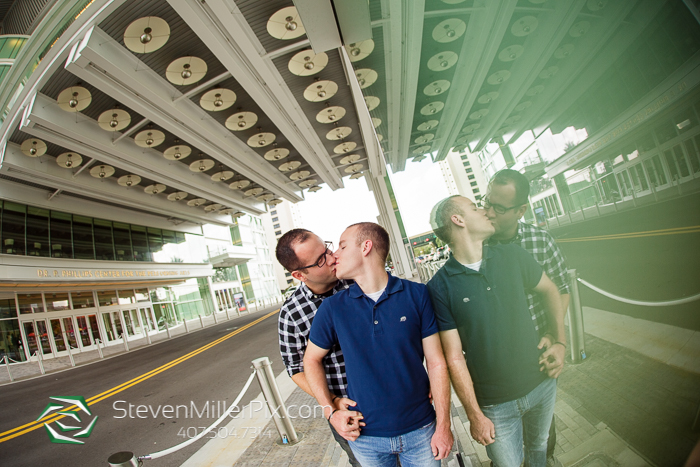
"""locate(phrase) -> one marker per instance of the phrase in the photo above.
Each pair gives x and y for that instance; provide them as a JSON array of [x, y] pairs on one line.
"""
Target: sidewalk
[[30, 369], [628, 404]]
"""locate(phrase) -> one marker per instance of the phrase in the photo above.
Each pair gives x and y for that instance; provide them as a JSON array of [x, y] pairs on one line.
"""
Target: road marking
[[26, 428], [648, 233]]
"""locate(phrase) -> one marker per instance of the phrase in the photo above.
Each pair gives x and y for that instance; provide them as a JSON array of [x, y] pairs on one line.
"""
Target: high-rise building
[[463, 175], [282, 218]]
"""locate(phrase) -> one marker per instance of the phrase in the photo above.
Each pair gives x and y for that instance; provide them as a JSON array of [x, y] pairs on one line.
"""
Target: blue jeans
[[413, 449], [522, 421]]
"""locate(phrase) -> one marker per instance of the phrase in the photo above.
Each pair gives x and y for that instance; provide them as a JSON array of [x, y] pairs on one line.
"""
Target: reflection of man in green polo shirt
[[481, 307]]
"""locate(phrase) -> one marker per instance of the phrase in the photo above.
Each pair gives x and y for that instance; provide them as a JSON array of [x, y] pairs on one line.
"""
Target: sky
[[417, 189]]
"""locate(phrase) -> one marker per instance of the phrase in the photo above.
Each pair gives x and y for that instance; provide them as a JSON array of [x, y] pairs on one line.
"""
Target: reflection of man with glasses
[[505, 204], [297, 248]]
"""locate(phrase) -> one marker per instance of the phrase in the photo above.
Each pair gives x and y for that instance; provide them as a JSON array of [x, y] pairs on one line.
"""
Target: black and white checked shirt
[[541, 245], [296, 316]]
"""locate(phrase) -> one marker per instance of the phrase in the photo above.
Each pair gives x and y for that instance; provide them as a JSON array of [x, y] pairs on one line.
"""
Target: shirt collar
[[452, 266], [394, 285], [309, 294]]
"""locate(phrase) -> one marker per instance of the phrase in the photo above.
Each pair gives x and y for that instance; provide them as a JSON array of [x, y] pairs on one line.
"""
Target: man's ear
[[457, 220], [366, 247], [299, 276], [521, 211]]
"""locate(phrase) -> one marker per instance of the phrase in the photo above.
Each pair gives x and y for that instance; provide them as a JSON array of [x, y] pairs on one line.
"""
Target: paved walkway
[[627, 404]]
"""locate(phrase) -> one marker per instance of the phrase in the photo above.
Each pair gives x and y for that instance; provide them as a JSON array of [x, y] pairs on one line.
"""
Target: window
[[473, 184], [287, 274], [476, 190], [471, 177], [276, 226], [273, 212], [275, 219], [477, 197], [469, 170], [278, 232]]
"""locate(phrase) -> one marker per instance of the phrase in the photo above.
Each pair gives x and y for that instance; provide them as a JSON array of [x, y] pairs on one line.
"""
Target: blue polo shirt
[[489, 309], [383, 349]]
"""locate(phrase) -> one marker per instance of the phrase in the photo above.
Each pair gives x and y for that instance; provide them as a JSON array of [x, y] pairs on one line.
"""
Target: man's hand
[[441, 443], [482, 430], [347, 423], [552, 359]]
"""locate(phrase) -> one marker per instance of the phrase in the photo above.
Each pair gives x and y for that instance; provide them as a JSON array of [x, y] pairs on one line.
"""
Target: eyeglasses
[[498, 209], [321, 261]]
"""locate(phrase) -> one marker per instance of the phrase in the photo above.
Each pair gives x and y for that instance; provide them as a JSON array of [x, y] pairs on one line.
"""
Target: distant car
[[289, 291]]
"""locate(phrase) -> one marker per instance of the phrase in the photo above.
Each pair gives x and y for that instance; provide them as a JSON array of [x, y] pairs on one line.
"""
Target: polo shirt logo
[[403, 318], [465, 299]]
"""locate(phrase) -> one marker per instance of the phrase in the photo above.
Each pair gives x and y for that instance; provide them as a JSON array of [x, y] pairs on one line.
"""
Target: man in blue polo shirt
[[482, 310], [385, 327]]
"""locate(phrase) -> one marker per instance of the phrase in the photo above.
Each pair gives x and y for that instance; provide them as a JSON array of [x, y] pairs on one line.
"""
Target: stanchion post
[[99, 349], [228, 316], [268, 384], [216, 321], [167, 328], [187, 330], [201, 321], [70, 354], [126, 344], [7, 365], [40, 359], [577, 341]]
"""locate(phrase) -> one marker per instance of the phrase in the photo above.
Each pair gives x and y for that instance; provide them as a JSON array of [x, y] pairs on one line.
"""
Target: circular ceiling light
[[186, 70], [114, 120], [442, 61], [102, 171], [499, 77], [339, 133], [129, 180], [511, 53], [212, 207], [74, 99], [487, 98], [330, 114], [380, 138], [241, 121], [320, 91], [356, 175], [459, 148], [237, 214], [69, 160], [285, 24], [351, 169], [314, 189], [579, 29], [463, 140], [253, 191], [222, 176], [217, 99], [366, 77], [432, 108], [155, 189], [307, 63], [471, 128], [429, 125], [177, 153], [299, 175], [274, 202], [308, 183], [421, 149], [549, 72], [146, 34], [177, 196], [261, 140], [342, 148], [426, 138], [359, 50], [196, 202], [522, 106], [239, 184], [524, 26], [512, 120], [350, 159], [202, 165], [449, 30], [33, 147], [376, 122], [479, 114], [276, 154], [265, 197], [436, 87], [533, 91], [372, 102], [564, 51], [418, 158], [289, 166], [149, 138], [595, 5]]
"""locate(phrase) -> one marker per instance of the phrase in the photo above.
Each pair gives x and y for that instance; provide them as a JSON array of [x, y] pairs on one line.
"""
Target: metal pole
[[187, 330], [268, 384], [228, 316], [40, 359], [201, 321], [167, 328], [70, 354], [216, 321], [99, 349], [7, 365], [126, 344], [576, 336]]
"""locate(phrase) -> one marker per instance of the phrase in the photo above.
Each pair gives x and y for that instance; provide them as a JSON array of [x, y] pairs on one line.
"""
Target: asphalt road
[[650, 254], [216, 374]]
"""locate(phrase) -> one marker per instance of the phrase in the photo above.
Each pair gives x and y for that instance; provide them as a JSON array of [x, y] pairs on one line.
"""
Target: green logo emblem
[[54, 436]]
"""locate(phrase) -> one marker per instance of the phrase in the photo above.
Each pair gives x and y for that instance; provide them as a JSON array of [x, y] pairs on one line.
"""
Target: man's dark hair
[[519, 181], [376, 233], [440, 217], [285, 248]]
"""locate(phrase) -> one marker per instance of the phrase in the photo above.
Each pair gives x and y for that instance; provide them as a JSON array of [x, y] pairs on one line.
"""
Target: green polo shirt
[[489, 310]]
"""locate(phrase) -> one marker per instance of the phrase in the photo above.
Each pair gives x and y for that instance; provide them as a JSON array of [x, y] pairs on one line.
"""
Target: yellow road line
[[649, 233], [26, 428]]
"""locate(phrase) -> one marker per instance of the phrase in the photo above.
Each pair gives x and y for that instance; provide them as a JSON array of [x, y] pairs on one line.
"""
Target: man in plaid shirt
[[505, 203], [310, 260]]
